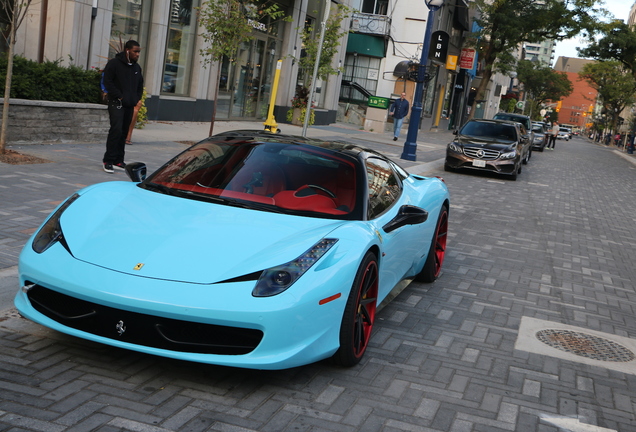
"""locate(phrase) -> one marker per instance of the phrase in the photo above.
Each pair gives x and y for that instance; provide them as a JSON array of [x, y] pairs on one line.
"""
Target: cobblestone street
[[531, 326]]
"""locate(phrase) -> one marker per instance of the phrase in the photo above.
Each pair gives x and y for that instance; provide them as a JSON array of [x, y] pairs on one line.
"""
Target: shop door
[[241, 88]]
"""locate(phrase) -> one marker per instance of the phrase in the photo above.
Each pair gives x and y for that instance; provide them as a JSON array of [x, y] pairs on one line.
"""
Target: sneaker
[[108, 168], [120, 165], [394, 138]]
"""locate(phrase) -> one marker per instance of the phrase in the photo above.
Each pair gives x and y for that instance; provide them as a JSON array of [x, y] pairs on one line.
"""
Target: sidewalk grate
[[585, 345]]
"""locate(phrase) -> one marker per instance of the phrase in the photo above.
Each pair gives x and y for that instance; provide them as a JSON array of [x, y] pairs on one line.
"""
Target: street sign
[[467, 58], [439, 46], [378, 102]]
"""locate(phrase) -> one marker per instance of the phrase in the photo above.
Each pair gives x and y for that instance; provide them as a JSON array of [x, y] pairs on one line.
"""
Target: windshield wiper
[[158, 188], [246, 204]]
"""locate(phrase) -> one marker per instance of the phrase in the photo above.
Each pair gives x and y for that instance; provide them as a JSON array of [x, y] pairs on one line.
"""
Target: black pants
[[551, 141], [120, 118]]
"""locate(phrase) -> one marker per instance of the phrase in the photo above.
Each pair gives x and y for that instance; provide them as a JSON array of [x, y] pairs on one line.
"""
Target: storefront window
[[129, 22], [363, 71], [246, 81], [180, 47]]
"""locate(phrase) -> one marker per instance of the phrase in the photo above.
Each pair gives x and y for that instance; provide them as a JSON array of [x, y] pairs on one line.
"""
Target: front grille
[[142, 329], [481, 153]]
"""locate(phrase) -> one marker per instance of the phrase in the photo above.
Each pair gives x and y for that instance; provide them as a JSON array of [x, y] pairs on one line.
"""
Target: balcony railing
[[371, 24]]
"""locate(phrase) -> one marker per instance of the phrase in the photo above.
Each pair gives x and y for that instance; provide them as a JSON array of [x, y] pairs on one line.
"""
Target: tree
[[618, 42], [542, 83], [330, 45], [14, 11], [506, 24], [313, 50], [227, 24], [616, 88]]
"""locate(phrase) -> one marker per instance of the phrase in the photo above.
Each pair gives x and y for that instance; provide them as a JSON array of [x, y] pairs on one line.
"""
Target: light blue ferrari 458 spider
[[248, 249]]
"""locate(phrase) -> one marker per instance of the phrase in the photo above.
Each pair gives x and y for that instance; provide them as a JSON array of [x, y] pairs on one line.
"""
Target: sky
[[619, 8]]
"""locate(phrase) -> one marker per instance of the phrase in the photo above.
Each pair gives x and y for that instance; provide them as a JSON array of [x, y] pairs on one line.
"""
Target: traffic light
[[558, 106]]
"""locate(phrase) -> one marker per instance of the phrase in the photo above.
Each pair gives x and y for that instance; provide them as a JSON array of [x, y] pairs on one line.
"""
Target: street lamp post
[[410, 146]]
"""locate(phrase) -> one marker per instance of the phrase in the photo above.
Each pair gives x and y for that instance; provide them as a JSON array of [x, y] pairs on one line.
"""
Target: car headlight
[[509, 155], [51, 232], [277, 279], [455, 147]]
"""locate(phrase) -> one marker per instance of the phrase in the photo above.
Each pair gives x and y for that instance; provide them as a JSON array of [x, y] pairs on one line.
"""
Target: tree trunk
[[490, 57], [216, 95], [481, 91], [7, 94]]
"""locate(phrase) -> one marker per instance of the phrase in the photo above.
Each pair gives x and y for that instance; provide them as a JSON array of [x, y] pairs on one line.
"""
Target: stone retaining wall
[[44, 122]]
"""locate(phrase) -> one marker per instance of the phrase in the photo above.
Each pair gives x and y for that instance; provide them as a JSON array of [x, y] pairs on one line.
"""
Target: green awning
[[367, 45]]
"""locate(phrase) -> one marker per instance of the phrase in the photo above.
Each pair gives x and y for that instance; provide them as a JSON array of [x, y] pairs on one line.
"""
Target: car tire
[[436, 253], [359, 314], [514, 175]]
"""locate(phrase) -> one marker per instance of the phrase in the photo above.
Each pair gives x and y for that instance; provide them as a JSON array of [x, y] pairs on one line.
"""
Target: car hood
[[487, 143], [124, 228]]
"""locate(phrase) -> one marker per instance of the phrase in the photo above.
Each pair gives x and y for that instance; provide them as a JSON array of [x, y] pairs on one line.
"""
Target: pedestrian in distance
[[553, 135], [399, 110], [124, 83]]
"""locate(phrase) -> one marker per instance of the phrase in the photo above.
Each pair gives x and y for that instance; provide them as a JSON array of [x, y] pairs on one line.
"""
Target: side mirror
[[136, 171], [455, 132], [408, 215]]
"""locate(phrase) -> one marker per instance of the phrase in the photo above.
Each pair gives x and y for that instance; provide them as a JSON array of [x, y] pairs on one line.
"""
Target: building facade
[[542, 52], [577, 109], [180, 85], [387, 36]]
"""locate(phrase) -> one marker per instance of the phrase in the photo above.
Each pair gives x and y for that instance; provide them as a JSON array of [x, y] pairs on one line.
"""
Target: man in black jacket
[[125, 85]]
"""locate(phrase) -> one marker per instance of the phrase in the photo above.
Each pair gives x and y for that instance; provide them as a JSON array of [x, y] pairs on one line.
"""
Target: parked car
[[564, 133], [520, 118], [248, 249], [498, 146], [541, 136]]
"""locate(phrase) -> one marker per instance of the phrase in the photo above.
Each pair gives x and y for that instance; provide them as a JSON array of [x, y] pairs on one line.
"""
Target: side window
[[523, 130], [403, 175], [180, 49], [384, 188]]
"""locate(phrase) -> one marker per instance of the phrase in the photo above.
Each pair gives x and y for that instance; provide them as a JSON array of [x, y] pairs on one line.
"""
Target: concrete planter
[[44, 122]]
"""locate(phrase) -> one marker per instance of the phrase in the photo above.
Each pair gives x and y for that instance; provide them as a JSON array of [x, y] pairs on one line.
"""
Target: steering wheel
[[325, 190]]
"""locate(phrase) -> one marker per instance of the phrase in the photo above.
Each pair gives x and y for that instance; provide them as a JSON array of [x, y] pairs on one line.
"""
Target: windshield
[[525, 121], [506, 132], [268, 176]]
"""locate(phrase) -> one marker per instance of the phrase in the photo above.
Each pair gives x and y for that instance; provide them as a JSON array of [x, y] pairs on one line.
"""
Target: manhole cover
[[585, 345]]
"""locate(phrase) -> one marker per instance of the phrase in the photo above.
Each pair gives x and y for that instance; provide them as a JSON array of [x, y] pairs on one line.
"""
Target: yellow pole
[[270, 123]]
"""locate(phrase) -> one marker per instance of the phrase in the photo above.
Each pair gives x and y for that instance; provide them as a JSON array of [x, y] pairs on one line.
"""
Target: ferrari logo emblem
[[379, 235], [138, 266], [120, 327]]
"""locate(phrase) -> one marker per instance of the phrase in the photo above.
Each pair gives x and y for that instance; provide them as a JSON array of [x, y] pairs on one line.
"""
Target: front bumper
[[456, 160], [540, 144], [287, 330]]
